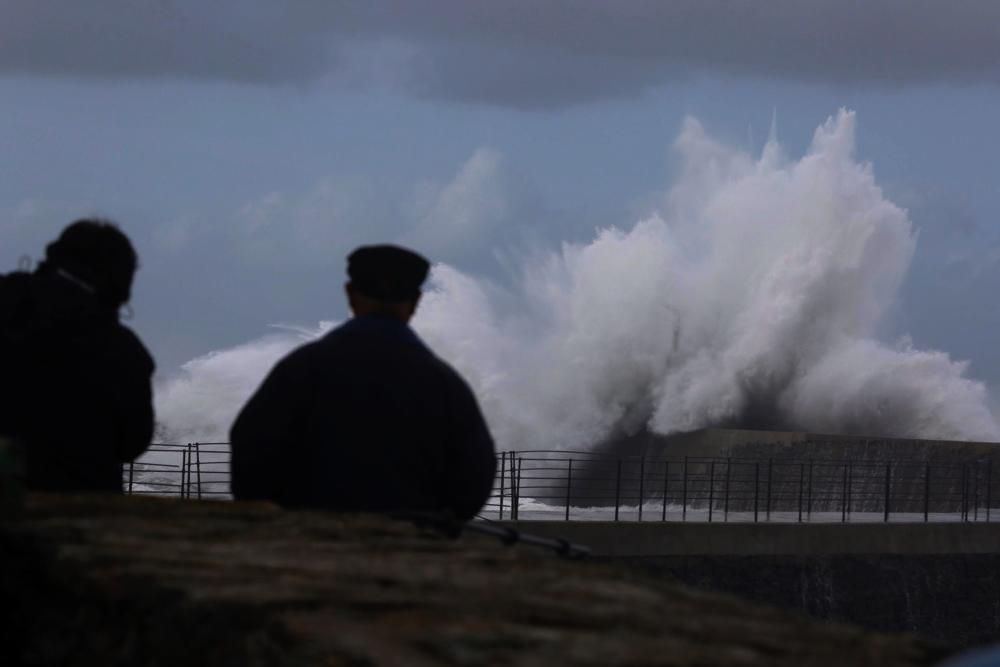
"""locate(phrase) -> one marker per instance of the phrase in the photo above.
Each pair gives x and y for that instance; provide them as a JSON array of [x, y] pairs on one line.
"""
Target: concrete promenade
[[609, 538], [935, 580]]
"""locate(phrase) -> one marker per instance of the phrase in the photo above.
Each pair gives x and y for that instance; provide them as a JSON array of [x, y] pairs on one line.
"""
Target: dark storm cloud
[[253, 41], [520, 53]]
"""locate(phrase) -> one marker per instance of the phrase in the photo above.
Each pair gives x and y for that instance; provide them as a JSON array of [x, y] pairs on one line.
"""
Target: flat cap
[[387, 272]]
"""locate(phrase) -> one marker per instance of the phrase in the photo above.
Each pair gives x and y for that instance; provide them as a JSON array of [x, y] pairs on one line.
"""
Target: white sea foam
[[754, 297], [200, 403]]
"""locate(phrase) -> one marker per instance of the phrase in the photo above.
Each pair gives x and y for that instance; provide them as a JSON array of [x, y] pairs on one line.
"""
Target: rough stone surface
[[143, 581]]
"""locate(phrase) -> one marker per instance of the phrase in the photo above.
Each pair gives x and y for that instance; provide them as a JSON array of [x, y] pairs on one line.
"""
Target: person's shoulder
[[346, 338], [14, 276], [454, 380], [128, 344], [336, 335], [16, 282], [16, 297], [299, 361], [304, 353]]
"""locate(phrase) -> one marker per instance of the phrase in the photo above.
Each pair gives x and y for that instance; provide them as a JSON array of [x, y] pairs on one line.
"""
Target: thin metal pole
[[618, 488], [197, 456], [927, 491], [965, 492], [989, 487], [725, 502], [711, 489], [515, 489], [520, 468], [642, 477], [666, 481], [770, 478], [756, 489], [843, 499], [131, 475], [503, 474], [802, 479], [184, 470], [569, 485], [888, 482], [975, 491], [684, 492], [809, 492], [850, 485]]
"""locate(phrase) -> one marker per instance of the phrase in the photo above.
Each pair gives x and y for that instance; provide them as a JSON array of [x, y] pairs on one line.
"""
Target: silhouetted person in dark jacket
[[74, 382], [367, 418]]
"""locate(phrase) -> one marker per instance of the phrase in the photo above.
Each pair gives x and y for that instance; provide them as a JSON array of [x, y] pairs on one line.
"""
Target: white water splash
[[754, 298], [200, 403]]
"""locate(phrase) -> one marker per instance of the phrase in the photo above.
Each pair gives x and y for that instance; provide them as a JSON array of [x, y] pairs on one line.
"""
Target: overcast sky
[[248, 145]]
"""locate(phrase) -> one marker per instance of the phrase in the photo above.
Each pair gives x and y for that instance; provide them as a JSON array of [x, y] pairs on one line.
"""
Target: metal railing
[[547, 485], [540, 485], [192, 470]]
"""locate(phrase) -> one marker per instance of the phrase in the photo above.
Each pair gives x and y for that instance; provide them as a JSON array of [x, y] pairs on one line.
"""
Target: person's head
[[385, 280], [97, 254]]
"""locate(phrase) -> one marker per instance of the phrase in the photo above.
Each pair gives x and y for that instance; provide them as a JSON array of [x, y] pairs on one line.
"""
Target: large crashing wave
[[753, 298]]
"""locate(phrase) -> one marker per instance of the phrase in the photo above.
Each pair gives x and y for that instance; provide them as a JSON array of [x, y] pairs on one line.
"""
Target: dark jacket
[[74, 384], [364, 419]]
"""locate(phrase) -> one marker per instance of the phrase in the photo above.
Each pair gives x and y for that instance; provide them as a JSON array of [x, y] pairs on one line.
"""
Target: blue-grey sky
[[248, 146]]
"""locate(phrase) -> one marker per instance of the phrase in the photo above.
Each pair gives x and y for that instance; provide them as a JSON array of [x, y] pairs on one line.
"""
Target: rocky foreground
[[143, 581]]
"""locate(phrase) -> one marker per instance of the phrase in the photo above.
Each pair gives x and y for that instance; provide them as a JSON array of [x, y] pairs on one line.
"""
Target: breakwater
[[759, 472], [937, 580]]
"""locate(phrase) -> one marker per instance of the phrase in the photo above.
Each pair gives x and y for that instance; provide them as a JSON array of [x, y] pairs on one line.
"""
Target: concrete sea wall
[[938, 581]]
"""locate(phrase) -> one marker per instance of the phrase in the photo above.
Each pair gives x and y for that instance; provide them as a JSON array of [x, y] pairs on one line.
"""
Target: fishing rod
[[452, 527]]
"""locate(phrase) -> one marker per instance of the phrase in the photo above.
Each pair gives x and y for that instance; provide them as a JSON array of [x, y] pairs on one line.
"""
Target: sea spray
[[753, 298], [200, 403]]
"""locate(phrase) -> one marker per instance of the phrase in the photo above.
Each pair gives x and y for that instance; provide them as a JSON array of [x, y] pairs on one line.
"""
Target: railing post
[[517, 485], [989, 487], [927, 491], [618, 488], [770, 479], [569, 485], [197, 458], [185, 459], [711, 489], [725, 502], [684, 492], [809, 493], [756, 489], [131, 475], [802, 479], [503, 475], [642, 489], [666, 481], [965, 485], [850, 485], [975, 491], [888, 483], [513, 488], [843, 499]]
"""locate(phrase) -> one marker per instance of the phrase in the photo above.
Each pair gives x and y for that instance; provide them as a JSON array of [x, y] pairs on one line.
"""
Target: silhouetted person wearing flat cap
[[75, 383], [367, 418]]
